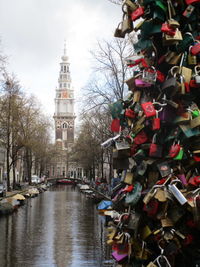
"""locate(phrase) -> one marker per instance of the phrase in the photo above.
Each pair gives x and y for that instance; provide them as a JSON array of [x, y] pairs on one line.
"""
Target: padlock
[[138, 13], [132, 6], [192, 59], [130, 113], [180, 70], [197, 74], [195, 122], [141, 83], [155, 150], [156, 122], [195, 49], [127, 25], [149, 75], [131, 83], [181, 83], [172, 40], [189, 2], [176, 192], [118, 31], [188, 11], [180, 154], [174, 149], [136, 96], [148, 109], [172, 22], [149, 195], [165, 28]]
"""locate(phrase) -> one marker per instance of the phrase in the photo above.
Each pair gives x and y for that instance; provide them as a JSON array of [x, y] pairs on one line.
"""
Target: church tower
[[64, 106], [64, 118]]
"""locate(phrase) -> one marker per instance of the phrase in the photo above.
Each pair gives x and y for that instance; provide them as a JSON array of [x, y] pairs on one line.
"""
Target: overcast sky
[[32, 35]]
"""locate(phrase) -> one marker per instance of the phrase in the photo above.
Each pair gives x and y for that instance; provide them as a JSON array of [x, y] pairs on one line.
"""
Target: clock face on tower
[[64, 94]]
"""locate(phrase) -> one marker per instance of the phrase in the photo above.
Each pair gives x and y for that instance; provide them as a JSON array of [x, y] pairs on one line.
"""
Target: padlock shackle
[[160, 104], [196, 191], [176, 181]]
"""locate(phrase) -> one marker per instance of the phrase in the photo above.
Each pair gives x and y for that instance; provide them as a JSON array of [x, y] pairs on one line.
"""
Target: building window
[[53, 171], [67, 68], [61, 68], [64, 68], [60, 85], [64, 84], [63, 172], [68, 85], [79, 172], [64, 125], [58, 171]]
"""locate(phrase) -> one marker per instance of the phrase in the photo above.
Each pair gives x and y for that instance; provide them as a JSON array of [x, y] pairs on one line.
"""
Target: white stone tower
[[64, 106], [64, 117]]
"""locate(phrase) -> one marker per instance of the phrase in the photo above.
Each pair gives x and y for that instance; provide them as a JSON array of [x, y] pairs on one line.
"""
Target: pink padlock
[[141, 83]]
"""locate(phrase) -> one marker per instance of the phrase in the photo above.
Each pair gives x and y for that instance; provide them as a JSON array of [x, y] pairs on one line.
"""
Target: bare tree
[[109, 73], [87, 150], [10, 107]]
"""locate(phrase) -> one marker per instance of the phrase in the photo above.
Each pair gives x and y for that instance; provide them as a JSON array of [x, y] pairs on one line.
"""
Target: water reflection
[[60, 228]]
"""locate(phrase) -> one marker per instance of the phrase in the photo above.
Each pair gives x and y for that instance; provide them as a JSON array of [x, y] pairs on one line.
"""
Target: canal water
[[59, 228]]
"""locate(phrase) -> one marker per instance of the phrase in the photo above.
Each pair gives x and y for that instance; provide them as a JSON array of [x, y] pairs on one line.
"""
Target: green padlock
[[180, 155], [195, 113]]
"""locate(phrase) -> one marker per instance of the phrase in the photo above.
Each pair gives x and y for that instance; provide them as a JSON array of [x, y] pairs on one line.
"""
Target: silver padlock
[[176, 192], [110, 141], [149, 75], [197, 74]]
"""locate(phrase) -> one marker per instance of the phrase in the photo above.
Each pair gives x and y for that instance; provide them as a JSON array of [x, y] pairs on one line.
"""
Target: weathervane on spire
[[65, 49], [65, 57]]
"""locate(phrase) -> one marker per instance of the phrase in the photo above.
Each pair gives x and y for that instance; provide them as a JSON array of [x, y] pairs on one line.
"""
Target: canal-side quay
[[61, 227]]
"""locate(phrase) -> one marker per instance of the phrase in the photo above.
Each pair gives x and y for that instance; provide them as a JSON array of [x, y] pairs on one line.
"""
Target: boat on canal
[[66, 181]]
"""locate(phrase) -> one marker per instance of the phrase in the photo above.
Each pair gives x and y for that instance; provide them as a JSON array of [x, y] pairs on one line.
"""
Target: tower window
[[64, 68], [61, 68], [64, 125], [67, 68]]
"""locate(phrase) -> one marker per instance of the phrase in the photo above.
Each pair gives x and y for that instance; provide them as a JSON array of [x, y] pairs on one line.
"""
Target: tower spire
[[65, 49], [65, 57]]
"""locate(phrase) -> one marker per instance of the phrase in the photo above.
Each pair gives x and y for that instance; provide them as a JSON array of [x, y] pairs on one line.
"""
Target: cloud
[[33, 33]]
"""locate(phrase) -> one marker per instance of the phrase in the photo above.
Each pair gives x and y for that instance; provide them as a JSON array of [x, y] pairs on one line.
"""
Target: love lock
[[149, 75], [176, 192]]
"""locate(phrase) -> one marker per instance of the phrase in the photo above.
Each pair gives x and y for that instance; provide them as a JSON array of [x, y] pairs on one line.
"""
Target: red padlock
[[139, 12], [195, 49], [195, 180], [156, 123], [167, 29], [115, 126], [141, 138], [155, 150], [193, 84], [189, 2], [148, 109], [160, 76], [196, 158], [174, 150], [130, 113]]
